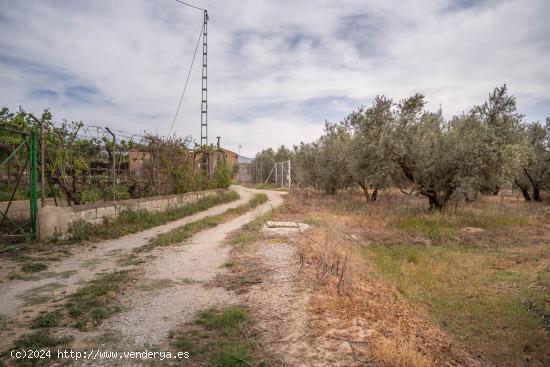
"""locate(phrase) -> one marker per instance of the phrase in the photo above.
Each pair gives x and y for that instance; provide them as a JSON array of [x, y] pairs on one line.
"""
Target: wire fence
[[278, 174], [80, 164]]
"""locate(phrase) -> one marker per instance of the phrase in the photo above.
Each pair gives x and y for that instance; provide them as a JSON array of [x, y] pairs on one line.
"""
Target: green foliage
[[221, 178], [267, 158], [90, 195], [49, 319], [368, 162], [533, 174], [402, 144]]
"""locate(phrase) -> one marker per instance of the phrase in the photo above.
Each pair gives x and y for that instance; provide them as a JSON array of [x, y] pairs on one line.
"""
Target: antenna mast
[[204, 102]]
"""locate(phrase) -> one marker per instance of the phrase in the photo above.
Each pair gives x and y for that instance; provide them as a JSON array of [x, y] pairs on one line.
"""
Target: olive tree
[[331, 164], [440, 158], [304, 164], [534, 172], [503, 143], [369, 165]]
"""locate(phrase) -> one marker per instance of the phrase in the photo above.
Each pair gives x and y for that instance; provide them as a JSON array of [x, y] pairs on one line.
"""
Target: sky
[[277, 69]]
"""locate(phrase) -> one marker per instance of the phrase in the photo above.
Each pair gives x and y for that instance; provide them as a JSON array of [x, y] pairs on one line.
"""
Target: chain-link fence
[[79, 164], [18, 185]]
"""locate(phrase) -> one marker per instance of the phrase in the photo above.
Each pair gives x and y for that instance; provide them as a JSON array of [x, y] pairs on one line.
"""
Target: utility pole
[[204, 102]]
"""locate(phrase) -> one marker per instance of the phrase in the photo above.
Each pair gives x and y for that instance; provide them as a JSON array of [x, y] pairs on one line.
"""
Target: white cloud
[[276, 68]]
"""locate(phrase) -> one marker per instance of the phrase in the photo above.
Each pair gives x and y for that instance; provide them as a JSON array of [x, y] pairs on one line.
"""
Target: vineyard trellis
[[80, 164], [18, 152]]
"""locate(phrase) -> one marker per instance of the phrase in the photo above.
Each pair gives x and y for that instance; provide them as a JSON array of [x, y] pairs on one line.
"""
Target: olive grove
[[403, 145]]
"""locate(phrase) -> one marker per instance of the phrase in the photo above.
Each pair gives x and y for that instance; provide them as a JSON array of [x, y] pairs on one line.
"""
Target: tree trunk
[[535, 184], [434, 203], [434, 200], [536, 194], [365, 189], [71, 198], [524, 191], [374, 195]]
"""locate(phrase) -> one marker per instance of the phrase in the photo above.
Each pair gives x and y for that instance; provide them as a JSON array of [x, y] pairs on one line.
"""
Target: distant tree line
[[403, 145]]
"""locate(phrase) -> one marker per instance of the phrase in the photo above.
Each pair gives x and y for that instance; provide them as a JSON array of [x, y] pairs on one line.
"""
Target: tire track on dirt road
[[151, 315], [88, 262]]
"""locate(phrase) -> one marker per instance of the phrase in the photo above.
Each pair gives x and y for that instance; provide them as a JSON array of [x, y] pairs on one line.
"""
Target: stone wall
[[55, 220]]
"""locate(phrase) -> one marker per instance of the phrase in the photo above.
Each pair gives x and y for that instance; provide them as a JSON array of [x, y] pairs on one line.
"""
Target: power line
[[192, 6], [187, 81]]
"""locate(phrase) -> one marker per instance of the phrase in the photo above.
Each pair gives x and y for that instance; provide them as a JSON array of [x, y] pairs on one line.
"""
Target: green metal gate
[[18, 185]]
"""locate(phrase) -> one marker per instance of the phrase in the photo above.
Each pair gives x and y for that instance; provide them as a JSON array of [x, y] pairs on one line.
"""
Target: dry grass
[[432, 291], [390, 353]]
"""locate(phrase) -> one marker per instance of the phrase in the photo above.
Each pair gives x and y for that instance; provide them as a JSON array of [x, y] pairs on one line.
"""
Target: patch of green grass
[[457, 284], [442, 225], [132, 221], [184, 232], [431, 226], [231, 355], [96, 300], [34, 267], [495, 219], [259, 221], [41, 339], [90, 304], [242, 238], [130, 260], [156, 284], [270, 186], [49, 319], [219, 338], [227, 320], [249, 233]]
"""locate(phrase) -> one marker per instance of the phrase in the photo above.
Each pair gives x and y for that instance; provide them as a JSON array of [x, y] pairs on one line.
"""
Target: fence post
[[114, 162], [289, 175], [33, 202]]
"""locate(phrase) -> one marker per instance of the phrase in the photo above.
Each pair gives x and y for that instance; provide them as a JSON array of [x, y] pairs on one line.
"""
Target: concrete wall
[[55, 220]]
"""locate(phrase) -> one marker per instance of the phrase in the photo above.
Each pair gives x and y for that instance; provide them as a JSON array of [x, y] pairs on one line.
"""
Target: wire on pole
[[190, 5], [186, 81]]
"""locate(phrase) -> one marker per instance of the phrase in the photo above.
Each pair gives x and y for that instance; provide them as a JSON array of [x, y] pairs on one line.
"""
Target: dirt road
[[189, 269], [188, 266]]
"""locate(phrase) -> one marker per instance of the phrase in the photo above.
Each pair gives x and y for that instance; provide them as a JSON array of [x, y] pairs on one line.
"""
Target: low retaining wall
[[55, 220]]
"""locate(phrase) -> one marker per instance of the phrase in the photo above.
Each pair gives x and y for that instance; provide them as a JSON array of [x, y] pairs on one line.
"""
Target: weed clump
[[34, 267]]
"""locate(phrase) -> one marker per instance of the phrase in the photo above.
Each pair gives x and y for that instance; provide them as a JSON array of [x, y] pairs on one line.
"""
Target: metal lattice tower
[[204, 102]]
